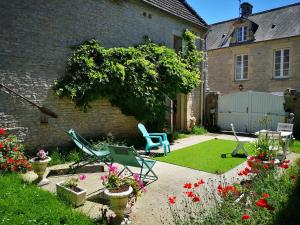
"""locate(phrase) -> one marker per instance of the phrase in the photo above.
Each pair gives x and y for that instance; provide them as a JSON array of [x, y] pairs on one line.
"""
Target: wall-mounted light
[[241, 87]]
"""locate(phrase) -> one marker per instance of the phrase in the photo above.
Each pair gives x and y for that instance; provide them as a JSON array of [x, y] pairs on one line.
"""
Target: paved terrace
[[152, 205]]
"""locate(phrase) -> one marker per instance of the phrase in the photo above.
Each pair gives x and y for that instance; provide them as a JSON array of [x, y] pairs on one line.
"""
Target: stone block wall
[[221, 67], [35, 41]]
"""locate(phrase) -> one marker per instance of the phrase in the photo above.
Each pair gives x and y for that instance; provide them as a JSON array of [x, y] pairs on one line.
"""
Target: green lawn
[[22, 203], [205, 156], [296, 146]]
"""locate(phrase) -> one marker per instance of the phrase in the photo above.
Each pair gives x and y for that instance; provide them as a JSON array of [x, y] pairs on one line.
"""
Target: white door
[[248, 110]]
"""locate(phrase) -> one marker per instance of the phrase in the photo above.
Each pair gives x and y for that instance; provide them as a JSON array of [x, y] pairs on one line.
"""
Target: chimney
[[246, 9]]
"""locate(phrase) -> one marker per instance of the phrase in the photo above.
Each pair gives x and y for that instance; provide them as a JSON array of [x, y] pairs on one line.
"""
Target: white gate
[[246, 110]]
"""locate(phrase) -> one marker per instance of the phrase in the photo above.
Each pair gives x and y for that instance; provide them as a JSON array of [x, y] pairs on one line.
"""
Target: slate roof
[[286, 20], [179, 8]]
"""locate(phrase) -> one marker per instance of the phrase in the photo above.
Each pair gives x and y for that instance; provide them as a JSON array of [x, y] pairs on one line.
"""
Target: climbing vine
[[136, 79]]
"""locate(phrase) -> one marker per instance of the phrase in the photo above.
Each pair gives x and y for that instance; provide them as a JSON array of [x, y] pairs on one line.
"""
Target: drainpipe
[[203, 80]]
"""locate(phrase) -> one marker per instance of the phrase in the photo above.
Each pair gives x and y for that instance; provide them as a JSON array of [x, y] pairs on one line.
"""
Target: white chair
[[240, 142], [288, 127], [285, 127]]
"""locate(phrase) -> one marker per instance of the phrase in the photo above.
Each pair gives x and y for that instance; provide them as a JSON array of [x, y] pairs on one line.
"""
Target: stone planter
[[73, 197], [39, 167], [118, 202]]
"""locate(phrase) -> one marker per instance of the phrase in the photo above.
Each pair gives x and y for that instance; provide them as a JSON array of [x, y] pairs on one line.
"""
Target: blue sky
[[213, 11]]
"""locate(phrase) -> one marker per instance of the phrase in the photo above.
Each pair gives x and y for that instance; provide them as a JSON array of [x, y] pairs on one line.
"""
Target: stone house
[[36, 39], [259, 52]]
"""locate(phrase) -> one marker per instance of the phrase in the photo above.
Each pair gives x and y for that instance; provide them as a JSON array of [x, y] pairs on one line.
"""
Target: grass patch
[[205, 156], [295, 146], [22, 203]]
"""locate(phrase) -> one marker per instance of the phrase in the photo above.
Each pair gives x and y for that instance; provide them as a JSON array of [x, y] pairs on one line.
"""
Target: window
[[241, 67], [177, 43], [242, 34], [281, 63]]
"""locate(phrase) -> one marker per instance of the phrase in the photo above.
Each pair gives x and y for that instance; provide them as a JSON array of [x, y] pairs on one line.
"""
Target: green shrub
[[198, 130], [136, 79]]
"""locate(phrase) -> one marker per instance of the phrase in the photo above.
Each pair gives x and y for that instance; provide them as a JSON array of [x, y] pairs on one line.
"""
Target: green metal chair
[[162, 138], [128, 157], [92, 154]]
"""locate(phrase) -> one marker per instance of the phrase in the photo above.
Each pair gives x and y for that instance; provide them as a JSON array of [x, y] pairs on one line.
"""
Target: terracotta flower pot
[[39, 167], [76, 198], [118, 202]]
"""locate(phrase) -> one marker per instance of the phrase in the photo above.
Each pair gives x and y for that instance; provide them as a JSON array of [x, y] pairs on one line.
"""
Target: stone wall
[[35, 41], [221, 67]]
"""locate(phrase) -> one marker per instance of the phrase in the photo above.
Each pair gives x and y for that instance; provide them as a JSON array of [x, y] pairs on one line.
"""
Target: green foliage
[[198, 130], [136, 79], [22, 203], [295, 146]]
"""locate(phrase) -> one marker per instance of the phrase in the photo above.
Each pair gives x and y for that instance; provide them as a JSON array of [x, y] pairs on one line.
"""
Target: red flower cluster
[[244, 172], [11, 155], [172, 200], [263, 202], [284, 166], [187, 185], [224, 191], [194, 197]]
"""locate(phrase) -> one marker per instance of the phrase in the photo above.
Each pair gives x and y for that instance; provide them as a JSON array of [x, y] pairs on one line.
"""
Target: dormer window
[[242, 34]]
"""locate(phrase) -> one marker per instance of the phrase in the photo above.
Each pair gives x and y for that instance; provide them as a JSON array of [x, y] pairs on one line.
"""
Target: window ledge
[[280, 78], [241, 80]]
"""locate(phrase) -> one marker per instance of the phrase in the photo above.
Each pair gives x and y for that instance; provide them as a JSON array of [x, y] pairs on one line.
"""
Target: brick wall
[[35, 41], [221, 67]]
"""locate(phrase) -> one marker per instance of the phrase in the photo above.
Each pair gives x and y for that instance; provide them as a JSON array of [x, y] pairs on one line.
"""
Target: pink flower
[[82, 177], [112, 169], [104, 178]]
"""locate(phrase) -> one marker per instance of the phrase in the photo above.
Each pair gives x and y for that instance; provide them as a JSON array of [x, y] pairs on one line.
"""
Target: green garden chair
[[128, 157], [92, 154], [162, 139]]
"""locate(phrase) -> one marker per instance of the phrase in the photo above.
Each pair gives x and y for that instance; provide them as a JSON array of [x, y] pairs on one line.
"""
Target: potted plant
[[119, 188], [71, 192], [39, 165]]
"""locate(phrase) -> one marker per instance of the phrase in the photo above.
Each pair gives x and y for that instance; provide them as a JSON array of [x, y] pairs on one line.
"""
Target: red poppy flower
[[196, 185], [262, 203], [245, 172], [10, 161], [1, 145], [293, 177], [172, 200], [187, 185], [266, 195], [201, 181], [196, 199], [266, 166], [246, 217], [240, 173], [251, 158], [287, 161], [2, 131], [190, 194], [284, 166], [250, 163]]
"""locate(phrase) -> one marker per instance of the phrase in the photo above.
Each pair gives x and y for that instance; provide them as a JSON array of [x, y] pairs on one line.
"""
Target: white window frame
[[243, 37], [242, 67], [281, 76]]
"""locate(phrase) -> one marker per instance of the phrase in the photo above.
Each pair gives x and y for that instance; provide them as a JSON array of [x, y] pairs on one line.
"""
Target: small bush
[[198, 130]]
